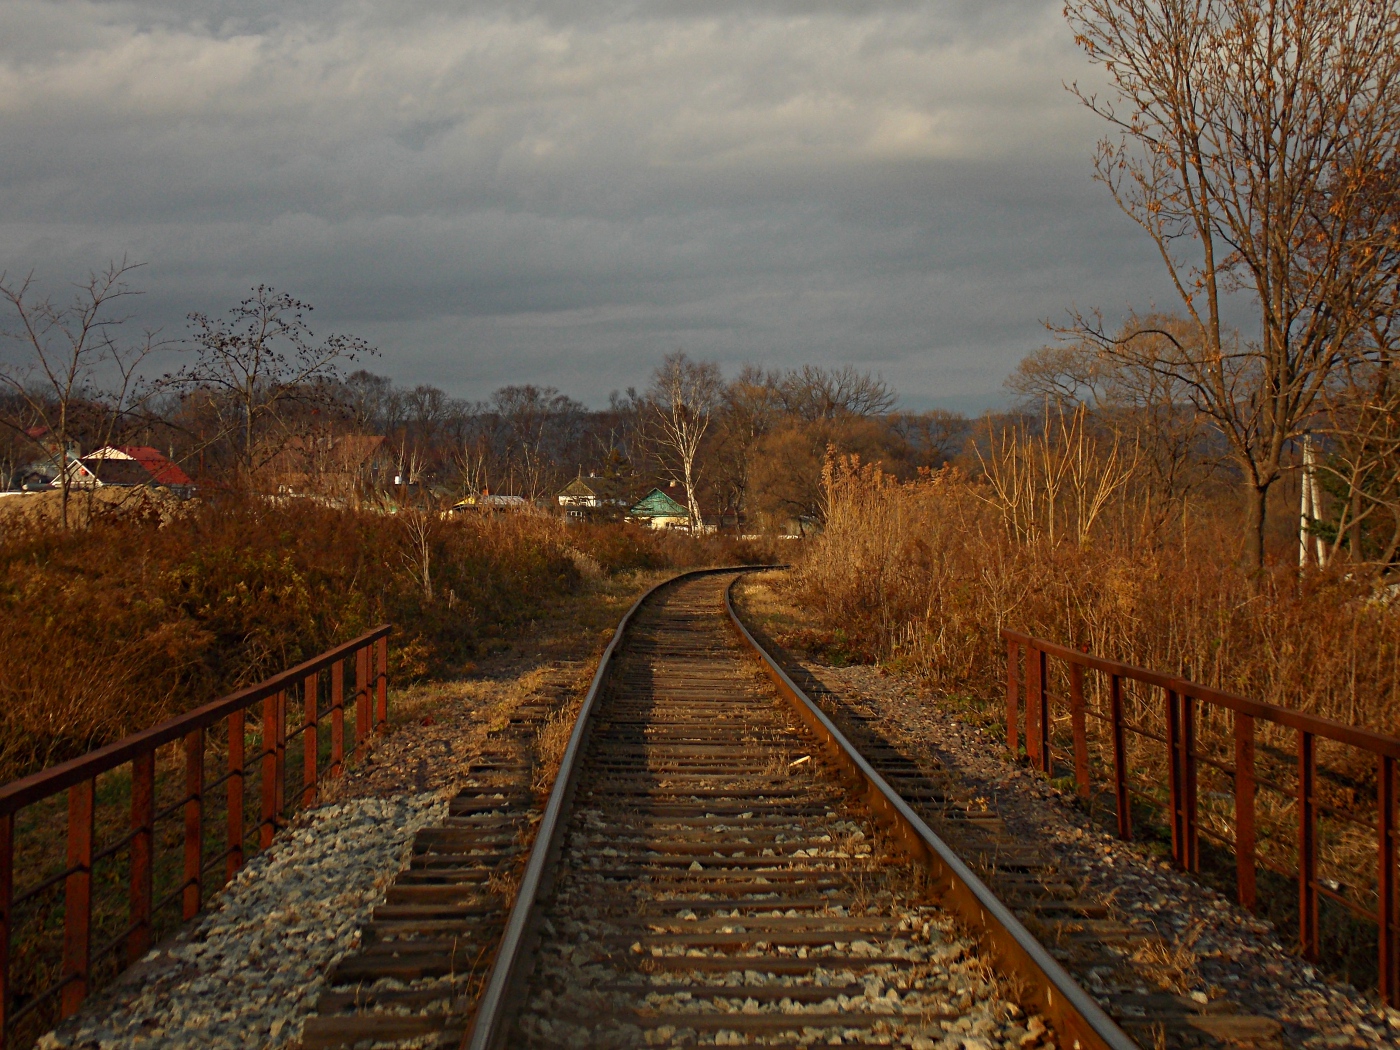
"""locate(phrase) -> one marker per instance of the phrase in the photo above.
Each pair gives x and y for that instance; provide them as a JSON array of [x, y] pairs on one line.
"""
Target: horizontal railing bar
[[27, 790], [1201, 829], [37, 1000], [212, 861], [47, 884], [116, 942], [1273, 785], [1326, 728], [1345, 814], [116, 847], [1130, 727], [1224, 767], [171, 897], [1350, 905], [170, 810], [227, 776]]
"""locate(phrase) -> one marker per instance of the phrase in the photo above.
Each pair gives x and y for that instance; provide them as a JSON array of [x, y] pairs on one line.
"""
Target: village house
[[657, 510], [132, 465], [120, 466], [487, 503], [591, 498]]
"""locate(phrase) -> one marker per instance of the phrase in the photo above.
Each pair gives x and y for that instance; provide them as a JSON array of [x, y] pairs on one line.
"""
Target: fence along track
[[716, 883]]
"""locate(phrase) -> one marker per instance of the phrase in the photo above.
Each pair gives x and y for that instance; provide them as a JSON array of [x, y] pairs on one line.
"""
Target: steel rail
[[1079, 1021], [508, 969]]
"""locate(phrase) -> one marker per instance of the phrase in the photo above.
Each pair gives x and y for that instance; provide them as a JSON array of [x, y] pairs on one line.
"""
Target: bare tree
[[1361, 429], [683, 397], [262, 357], [748, 410], [935, 436], [370, 400], [1133, 396], [813, 393], [418, 527], [1249, 135], [75, 364], [535, 425]]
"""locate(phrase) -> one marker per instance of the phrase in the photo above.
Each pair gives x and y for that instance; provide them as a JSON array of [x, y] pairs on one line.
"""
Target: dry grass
[[551, 742], [1172, 966], [107, 629], [27, 510]]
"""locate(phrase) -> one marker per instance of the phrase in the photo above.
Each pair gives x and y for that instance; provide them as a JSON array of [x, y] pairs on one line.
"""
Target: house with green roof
[[659, 511]]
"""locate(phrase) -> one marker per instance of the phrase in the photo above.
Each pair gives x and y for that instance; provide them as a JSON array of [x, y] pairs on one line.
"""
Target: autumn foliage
[[106, 630]]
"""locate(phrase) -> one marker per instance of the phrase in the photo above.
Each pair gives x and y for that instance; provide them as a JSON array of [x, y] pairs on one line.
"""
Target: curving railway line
[[716, 865]]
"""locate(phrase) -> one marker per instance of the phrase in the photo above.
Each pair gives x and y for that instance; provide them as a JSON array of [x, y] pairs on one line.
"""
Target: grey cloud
[[543, 191]]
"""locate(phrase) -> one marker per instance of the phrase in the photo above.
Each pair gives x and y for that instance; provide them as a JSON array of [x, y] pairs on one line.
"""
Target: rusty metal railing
[[1348, 806], [155, 808]]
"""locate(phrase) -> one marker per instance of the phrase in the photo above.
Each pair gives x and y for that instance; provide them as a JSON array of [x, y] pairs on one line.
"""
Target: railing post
[[237, 759], [7, 896], [194, 822], [1188, 783], [267, 777], [310, 738], [381, 684], [1079, 728], [1307, 848], [1042, 705], [1120, 757], [77, 898], [1034, 666], [337, 717], [362, 713], [1174, 777], [1244, 810], [143, 813], [1013, 657], [281, 757], [1385, 881]]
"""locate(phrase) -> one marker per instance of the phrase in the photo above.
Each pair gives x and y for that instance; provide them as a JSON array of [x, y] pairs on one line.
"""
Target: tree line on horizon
[[257, 380]]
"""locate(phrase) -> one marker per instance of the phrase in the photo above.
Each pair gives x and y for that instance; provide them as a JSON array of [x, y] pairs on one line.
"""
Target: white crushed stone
[[248, 973]]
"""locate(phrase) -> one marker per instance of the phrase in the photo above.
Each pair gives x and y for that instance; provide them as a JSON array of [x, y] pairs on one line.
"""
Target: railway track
[[717, 866]]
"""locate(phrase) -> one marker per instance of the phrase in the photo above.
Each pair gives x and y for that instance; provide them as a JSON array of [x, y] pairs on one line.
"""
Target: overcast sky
[[561, 193]]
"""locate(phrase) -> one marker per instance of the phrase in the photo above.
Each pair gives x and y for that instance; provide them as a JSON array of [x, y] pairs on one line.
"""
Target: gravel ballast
[[248, 972], [1236, 954]]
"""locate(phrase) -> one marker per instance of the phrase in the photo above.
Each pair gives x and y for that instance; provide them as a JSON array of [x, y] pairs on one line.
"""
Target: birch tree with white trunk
[[683, 397]]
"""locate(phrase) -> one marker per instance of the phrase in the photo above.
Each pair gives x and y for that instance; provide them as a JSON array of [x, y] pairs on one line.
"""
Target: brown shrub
[[927, 573], [108, 629]]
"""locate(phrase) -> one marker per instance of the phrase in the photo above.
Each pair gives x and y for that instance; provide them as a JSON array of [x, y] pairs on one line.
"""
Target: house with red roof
[[132, 465]]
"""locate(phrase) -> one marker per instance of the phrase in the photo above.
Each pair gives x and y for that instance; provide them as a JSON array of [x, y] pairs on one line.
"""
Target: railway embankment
[[718, 882], [1167, 956]]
